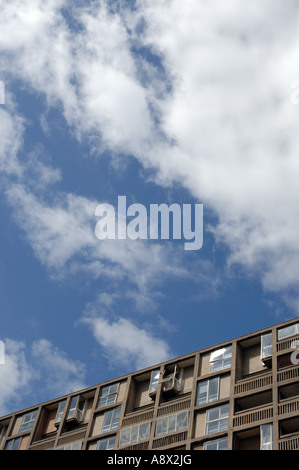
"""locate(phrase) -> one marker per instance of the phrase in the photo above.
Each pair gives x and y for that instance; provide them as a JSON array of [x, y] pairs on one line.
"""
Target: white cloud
[[11, 141], [60, 374], [61, 231], [126, 344], [226, 130], [234, 128], [36, 372], [15, 375]]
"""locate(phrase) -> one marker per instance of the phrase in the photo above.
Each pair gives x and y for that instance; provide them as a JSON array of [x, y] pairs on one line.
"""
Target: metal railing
[[248, 385]]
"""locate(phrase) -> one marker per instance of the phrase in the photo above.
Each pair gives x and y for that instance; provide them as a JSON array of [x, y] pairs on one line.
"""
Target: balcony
[[254, 416], [288, 407], [288, 374], [289, 443], [253, 384]]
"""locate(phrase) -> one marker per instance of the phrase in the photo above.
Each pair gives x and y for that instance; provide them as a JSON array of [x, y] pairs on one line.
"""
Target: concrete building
[[239, 395]]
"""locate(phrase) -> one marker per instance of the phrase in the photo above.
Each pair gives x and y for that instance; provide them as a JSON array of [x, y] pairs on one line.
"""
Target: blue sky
[[161, 102]]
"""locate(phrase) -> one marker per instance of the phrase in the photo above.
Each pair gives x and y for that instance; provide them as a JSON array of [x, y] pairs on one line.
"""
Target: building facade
[[239, 395]]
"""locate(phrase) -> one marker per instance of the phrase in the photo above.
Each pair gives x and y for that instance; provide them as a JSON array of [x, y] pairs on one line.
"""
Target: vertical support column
[[233, 375], [192, 406], [275, 391]]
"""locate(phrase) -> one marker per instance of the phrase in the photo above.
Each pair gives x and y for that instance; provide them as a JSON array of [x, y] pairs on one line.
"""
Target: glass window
[[216, 444], [217, 419], [266, 437], [134, 434], [108, 395], [27, 421], [73, 446], [154, 381], [72, 407], [221, 359], [161, 426], [13, 444], [207, 391], [76, 408], [106, 444], [172, 423], [60, 411], [111, 419], [288, 331], [266, 345]]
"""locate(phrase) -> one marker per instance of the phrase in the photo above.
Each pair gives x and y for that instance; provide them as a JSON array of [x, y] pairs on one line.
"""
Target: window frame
[[110, 397], [216, 442], [170, 425], [220, 362], [59, 412], [107, 440], [27, 425], [154, 381], [71, 446], [208, 382], [113, 423], [219, 420], [296, 331], [15, 443], [267, 444], [266, 347], [77, 410], [132, 429]]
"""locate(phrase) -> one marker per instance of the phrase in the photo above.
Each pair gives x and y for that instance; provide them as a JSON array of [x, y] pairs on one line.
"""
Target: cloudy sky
[[190, 102]]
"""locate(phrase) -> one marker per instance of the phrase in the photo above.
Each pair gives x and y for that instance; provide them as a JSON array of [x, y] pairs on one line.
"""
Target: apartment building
[[239, 395]]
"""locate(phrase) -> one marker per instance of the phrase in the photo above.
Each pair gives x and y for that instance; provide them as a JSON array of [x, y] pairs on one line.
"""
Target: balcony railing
[[170, 439], [289, 443], [135, 418], [248, 385], [289, 406], [249, 417], [288, 373], [287, 344], [174, 407]]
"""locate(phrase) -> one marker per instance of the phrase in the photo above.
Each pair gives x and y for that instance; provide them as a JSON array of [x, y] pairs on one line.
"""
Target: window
[[108, 395], [13, 444], [221, 359], [266, 345], [172, 423], [60, 411], [111, 419], [134, 434], [73, 446], [154, 381], [266, 437], [216, 444], [106, 444], [76, 409], [288, 331], [217, 419], [207, 391], [27, 421]]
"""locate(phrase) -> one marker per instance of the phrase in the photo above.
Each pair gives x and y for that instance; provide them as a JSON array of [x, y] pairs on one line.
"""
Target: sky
[[170, 102]]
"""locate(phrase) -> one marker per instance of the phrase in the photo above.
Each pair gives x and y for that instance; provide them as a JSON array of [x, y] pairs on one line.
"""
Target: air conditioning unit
[[76, 410], [172, 383]]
